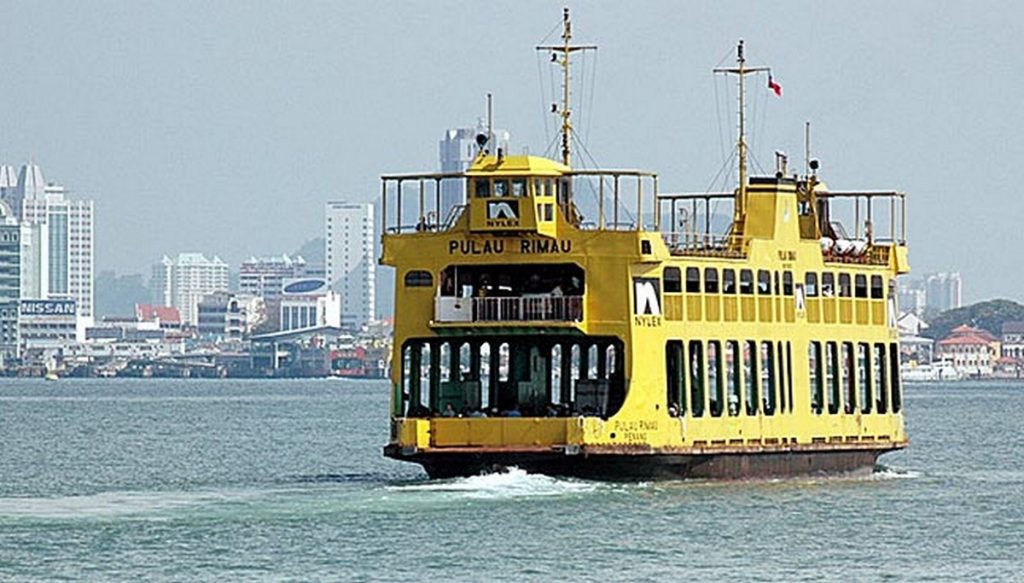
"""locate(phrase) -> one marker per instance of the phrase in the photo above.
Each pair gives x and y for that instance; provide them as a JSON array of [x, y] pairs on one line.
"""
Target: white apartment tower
[[350, 262], [182, 282], [57, 239]]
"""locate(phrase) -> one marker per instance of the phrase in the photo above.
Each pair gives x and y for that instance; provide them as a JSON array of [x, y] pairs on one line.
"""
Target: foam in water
[[888, 473], [514, 483], [109, 504]]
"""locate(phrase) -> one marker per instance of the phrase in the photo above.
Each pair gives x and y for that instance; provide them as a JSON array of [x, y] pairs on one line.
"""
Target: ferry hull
[[612, 466]]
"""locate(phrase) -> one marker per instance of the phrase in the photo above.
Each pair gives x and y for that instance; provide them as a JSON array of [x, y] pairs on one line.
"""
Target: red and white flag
[[774, 86]]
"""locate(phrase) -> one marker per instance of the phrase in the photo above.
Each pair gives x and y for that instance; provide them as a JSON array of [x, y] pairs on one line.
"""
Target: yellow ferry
[[628, 340]]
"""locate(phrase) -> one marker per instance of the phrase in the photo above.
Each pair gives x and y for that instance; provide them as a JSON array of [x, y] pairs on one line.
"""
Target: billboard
[[47, 308], [305, 286]]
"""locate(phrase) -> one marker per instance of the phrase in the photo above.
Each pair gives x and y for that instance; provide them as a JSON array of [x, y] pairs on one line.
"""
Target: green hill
[[990, 315]]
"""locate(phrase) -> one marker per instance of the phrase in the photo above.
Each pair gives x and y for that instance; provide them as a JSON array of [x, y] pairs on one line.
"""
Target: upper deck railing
[[622, 200], [703, 224]]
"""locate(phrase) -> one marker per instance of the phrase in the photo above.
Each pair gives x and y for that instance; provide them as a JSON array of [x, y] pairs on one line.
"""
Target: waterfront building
[[58, 252], [182, 282], [47, 325], [457, 150], [1013, 340], [972, 351], [307, 303], [10, 283], [229, 316], [165, 317], [351, 265]]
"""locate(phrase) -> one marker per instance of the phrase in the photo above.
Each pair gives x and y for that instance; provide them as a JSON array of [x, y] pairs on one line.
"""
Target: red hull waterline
[[651, 466]]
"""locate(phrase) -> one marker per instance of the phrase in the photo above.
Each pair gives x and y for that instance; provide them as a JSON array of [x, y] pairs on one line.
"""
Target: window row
[[728, 284], [858, 289], [715, 377], [847, 377]]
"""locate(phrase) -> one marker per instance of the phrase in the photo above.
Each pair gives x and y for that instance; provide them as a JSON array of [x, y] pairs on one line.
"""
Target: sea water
[[284, 480]]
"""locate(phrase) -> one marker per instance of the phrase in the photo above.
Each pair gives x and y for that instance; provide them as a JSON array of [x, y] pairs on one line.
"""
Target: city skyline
[[141, 108]]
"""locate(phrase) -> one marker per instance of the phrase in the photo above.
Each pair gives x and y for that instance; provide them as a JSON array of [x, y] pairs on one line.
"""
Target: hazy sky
[[223, 127]]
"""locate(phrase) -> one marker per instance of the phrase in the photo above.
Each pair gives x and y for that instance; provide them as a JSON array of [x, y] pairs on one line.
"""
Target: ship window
[[849, 386], [864, 377], [844, 285], [750, 375], [877, 291], [711, 280], [728, 281], [814, 372], [549, 212], [419, 279], [673, 280], [894, 378], [764, 282], [746, 281], [519, 187], [732, 376], [789, 374], [768, 373], [697, 378], [692, 280], [675, 389], [811, 284], [501, 188], [780, 354], [860, 286], [482, 187], [716, 389], [878, 365], [832, 376], [787, 283], [828, 285]]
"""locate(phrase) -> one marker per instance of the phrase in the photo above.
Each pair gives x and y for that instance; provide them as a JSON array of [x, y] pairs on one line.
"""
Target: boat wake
[[513, 483], [889, 473]]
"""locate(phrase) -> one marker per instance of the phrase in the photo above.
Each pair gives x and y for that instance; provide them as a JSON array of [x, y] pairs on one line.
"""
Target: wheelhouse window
[[519, 187], [482, 187]]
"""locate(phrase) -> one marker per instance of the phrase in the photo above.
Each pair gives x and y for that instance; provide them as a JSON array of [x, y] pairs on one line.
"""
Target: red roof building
[[973, 350]]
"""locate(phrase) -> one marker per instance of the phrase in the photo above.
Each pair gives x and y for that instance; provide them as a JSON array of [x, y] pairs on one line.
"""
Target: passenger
[[477, 413], [513, 412], [552, 410], [449, 411], [673, 410], [734, 404]]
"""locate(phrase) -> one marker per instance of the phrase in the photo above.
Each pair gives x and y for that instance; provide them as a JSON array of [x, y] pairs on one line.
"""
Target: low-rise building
[[46, 326], [307, 303], [229, 316], [1013, 340], [970, 350]]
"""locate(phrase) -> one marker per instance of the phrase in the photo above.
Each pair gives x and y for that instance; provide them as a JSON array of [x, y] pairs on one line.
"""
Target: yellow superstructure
[[620, 337]]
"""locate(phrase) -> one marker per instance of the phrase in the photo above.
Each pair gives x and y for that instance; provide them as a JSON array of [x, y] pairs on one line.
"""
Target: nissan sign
[[47, 308]]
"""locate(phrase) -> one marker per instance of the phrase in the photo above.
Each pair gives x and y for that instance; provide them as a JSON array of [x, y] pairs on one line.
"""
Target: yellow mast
[[741, 71], [565, 49]]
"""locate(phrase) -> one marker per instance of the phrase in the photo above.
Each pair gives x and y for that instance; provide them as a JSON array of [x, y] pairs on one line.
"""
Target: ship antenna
[[741, 71], [564, 61], [490, 122]]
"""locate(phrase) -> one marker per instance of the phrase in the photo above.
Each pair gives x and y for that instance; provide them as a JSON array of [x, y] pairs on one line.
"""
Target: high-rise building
[[264, 276], [10, 283], [58, 241], [943, 291], [350, 260], [183, 281], [457, 151]]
